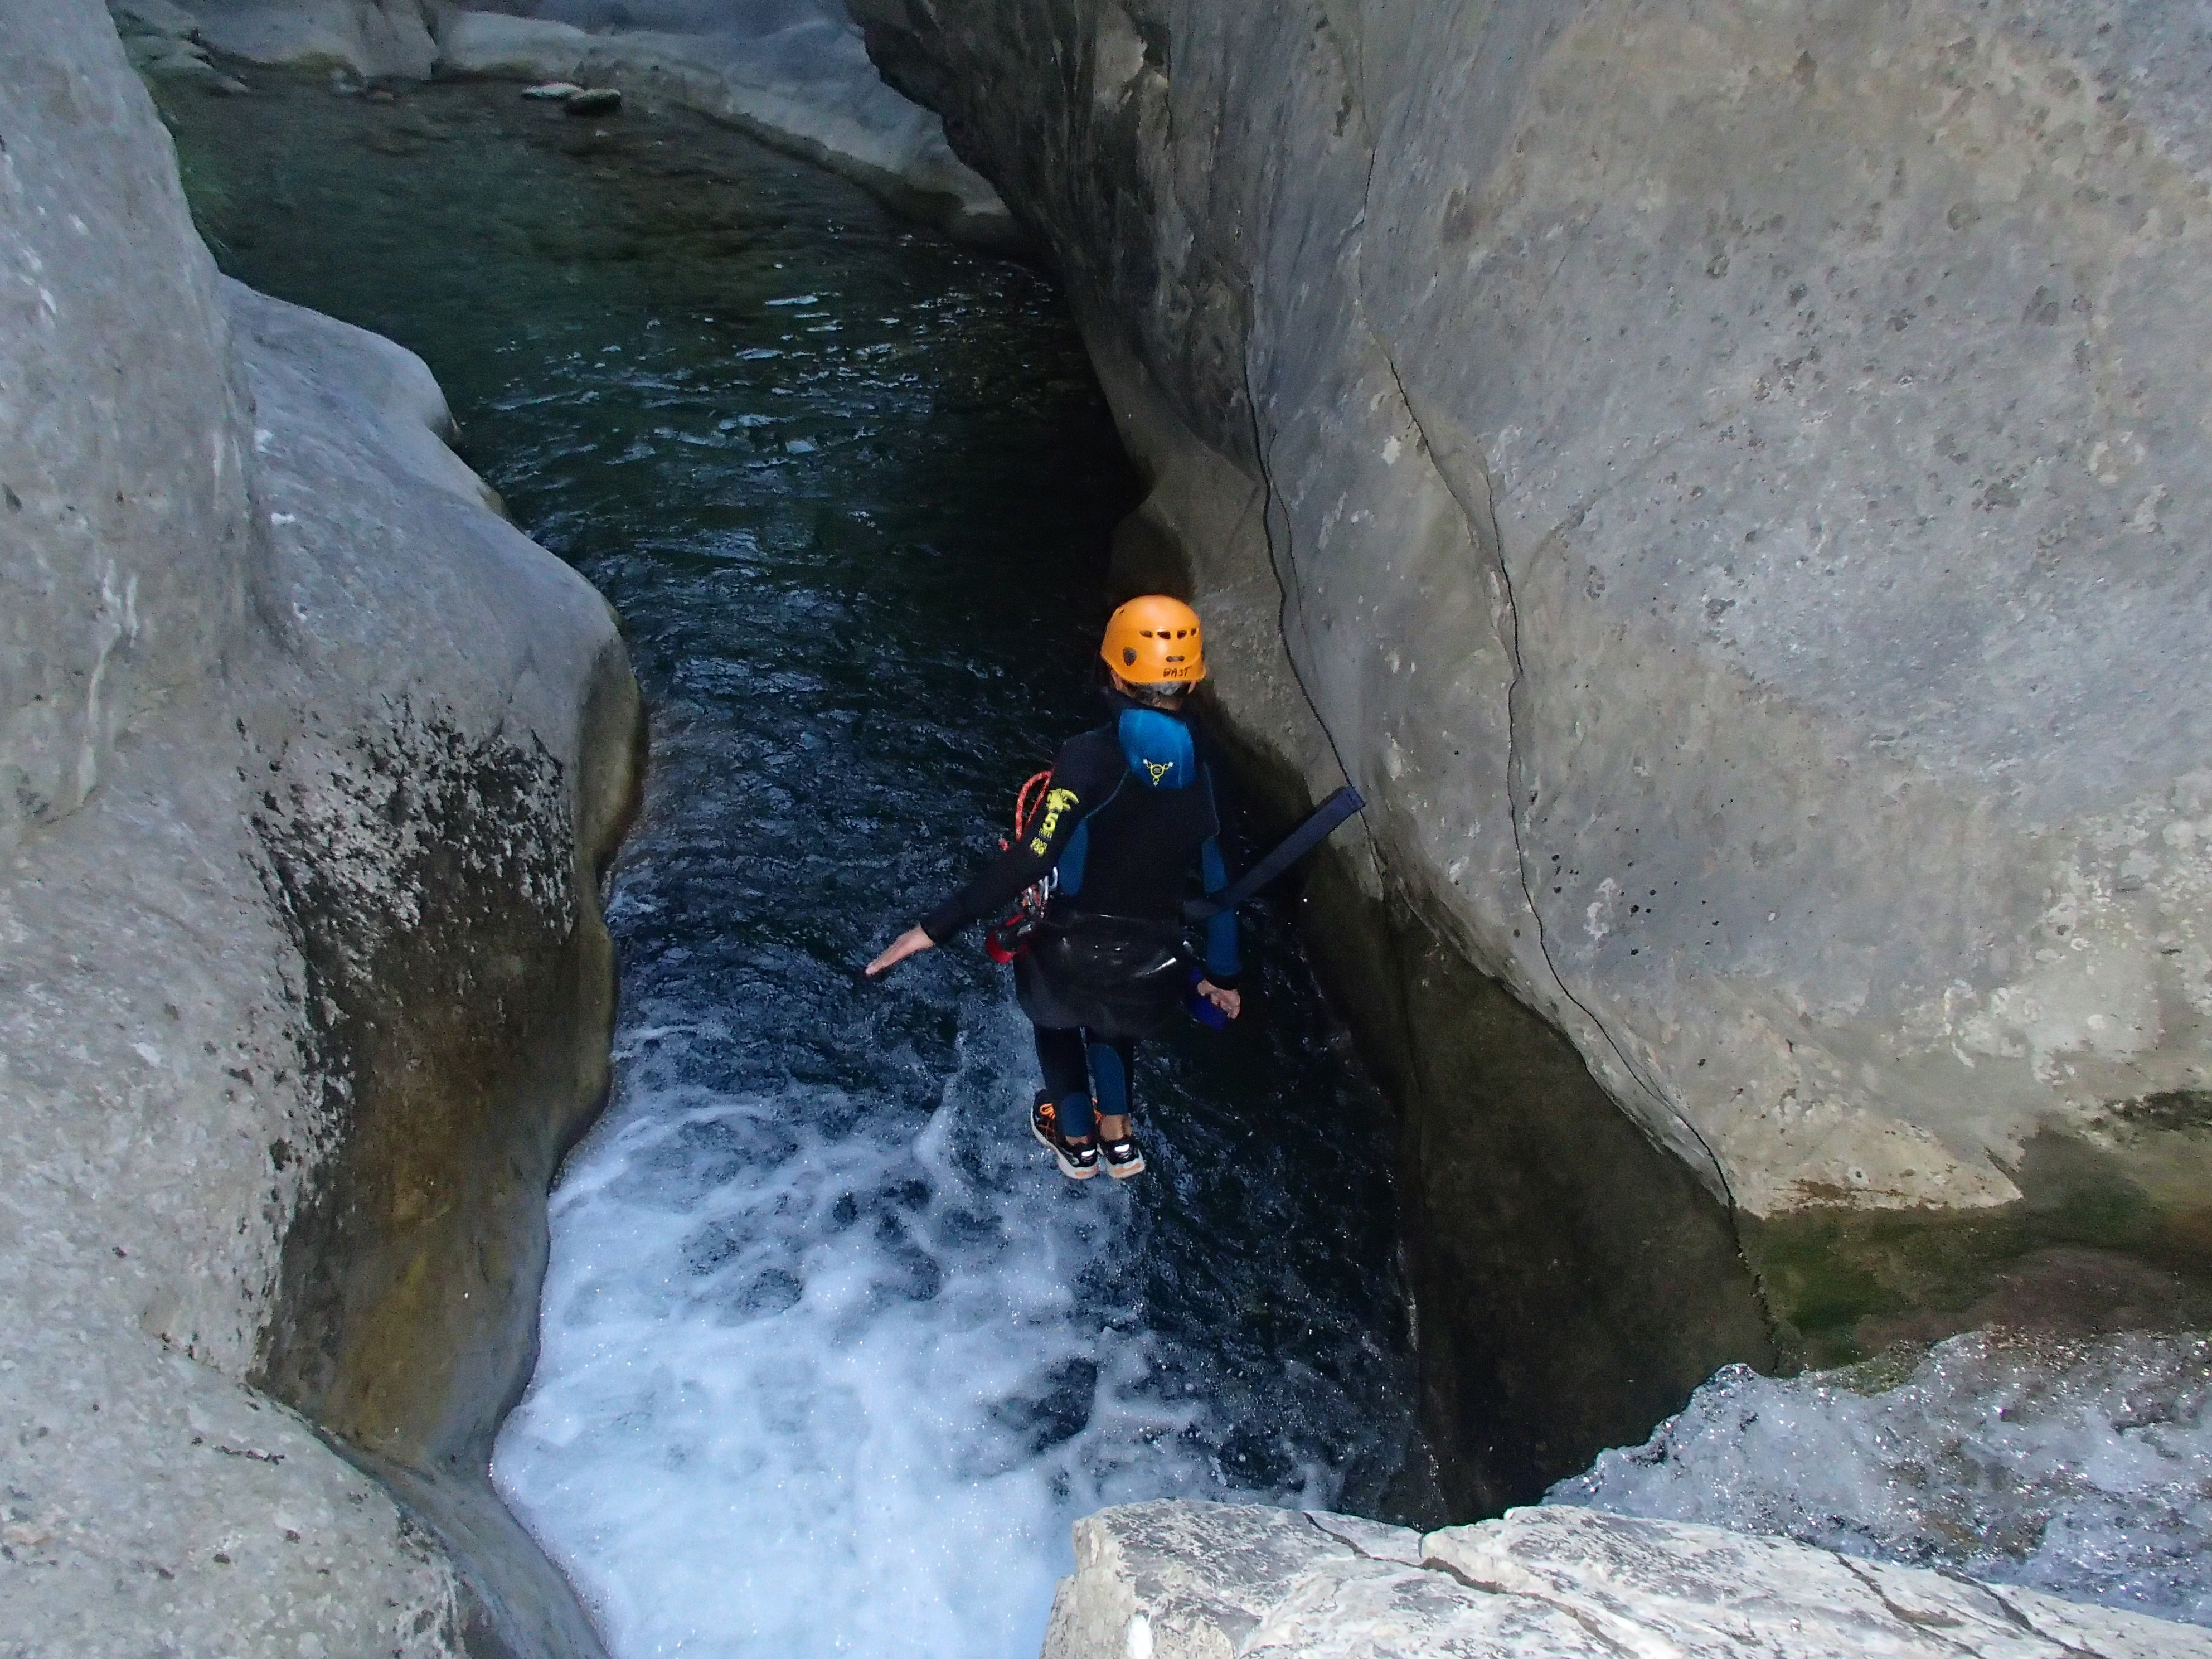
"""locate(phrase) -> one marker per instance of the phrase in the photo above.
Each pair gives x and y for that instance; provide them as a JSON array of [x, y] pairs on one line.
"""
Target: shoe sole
[[1072, 1171], [1126, 1171]]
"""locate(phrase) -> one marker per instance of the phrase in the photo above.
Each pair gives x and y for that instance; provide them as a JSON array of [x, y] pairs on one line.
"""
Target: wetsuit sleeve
[[1077, 787], [1224, 960]]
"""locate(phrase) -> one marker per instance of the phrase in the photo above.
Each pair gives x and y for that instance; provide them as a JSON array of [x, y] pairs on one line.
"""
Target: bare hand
[[1229, 1002], [911, 943]]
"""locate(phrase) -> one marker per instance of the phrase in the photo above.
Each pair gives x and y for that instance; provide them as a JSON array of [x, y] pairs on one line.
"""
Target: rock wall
[[1180, 1581], [310, 759], [1728, 477]]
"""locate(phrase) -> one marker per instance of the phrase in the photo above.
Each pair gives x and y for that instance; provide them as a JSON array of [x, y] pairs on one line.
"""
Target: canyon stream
[[830, 1355]]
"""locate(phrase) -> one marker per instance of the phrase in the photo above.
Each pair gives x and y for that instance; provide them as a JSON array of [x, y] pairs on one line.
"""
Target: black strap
[[1295, 846]]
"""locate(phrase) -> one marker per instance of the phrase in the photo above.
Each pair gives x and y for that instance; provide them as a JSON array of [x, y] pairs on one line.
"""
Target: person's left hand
[[1229, 1002], [911, 943]]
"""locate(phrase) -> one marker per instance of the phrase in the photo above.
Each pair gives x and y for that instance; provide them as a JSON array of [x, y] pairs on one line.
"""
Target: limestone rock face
[[1179, 1581], [309, 759], [122, 424], [1732, 476]]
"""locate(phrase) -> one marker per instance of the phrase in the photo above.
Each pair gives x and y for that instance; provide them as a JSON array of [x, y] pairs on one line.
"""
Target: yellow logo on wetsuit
[[1054, 803], [1158, 770]]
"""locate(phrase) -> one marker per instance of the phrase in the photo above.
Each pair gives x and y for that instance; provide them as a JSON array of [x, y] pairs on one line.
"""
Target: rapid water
[[830, 1355]]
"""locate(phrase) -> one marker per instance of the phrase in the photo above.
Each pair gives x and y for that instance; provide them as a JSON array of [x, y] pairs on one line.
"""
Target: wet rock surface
[[1167, 1580], [2074, 1466], [309, 758]]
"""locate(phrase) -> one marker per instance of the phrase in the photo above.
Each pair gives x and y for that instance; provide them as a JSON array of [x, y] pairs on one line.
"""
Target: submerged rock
[[308, 760], [1194, 1581], [595, 101]]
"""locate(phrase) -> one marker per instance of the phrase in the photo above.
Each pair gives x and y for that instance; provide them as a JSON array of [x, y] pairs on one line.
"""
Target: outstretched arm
[[1069, 795]]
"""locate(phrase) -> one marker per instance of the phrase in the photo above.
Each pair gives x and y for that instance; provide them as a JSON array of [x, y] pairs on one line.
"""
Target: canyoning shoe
[[1123, 1157], [1076, 1163]]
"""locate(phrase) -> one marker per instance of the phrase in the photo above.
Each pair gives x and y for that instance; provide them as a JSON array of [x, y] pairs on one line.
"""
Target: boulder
[[310, 763], [1175, 1580]]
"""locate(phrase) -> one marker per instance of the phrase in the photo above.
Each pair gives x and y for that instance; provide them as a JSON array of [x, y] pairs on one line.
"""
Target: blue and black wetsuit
[[1130, 818]]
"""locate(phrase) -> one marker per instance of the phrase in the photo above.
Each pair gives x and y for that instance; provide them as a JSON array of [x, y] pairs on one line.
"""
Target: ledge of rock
[[308, 762], [1207, 1581]]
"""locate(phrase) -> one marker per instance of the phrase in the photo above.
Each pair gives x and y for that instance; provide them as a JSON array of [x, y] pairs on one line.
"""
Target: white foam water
[[2083, 1468], [814, 1382]]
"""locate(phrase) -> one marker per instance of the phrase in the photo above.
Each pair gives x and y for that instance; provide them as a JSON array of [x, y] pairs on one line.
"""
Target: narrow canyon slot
[[542, 540]]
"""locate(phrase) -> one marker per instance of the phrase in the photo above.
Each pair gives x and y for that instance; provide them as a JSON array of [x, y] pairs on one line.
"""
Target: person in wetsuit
[[1129, 817]]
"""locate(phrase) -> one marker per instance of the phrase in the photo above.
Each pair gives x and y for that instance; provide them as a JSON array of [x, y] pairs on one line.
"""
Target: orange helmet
[[1154, 640]]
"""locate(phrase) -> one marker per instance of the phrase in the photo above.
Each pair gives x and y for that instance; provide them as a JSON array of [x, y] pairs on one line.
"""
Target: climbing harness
[[1010, 937]]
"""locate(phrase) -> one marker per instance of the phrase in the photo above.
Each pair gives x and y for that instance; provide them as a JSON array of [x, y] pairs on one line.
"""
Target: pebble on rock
[[553, 90], [595, 100]]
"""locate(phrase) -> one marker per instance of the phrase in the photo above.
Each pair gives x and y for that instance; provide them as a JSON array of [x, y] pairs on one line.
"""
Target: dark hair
[[1169, 693]]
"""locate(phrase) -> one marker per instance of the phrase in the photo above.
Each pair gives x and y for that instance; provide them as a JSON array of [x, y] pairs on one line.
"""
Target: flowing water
[[831, 1356]]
